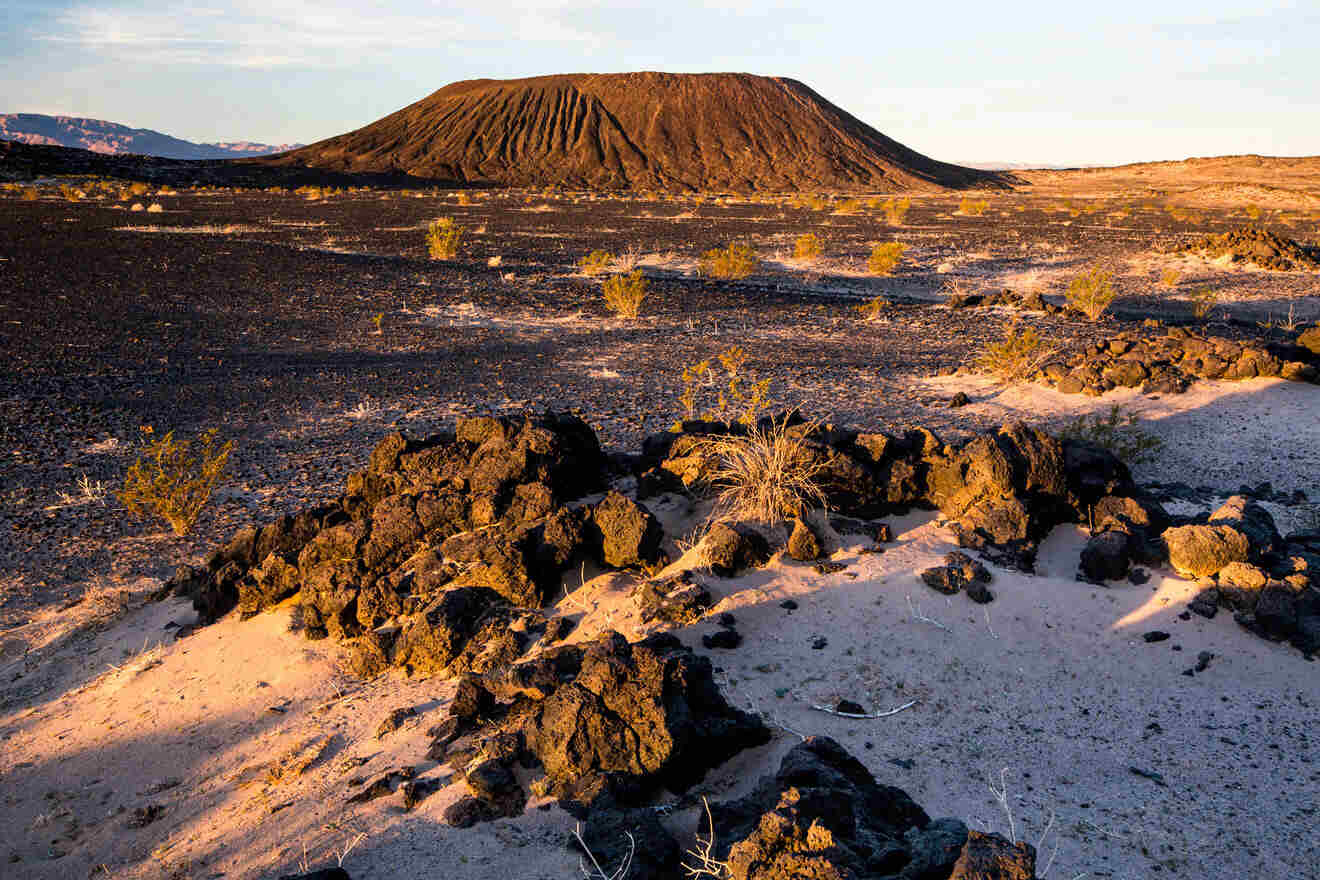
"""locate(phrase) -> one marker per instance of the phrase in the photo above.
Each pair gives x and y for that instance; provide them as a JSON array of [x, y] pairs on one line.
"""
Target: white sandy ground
[[1052, 681]]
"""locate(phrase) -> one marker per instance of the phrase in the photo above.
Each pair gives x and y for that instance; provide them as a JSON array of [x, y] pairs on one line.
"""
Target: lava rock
[[1202, 550]]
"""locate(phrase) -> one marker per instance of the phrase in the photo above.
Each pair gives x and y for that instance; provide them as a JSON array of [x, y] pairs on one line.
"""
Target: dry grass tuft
[[1169, 278], [872, 310], [736, 261], [767, 476], [443, 238], [1016, 356], [624, 293], [885, 257], [1092, 293]]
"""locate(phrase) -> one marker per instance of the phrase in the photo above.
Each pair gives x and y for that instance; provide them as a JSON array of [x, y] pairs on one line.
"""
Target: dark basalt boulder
[[803, 543], [626, 533], [728, 549], [960, 572], [1252, 520], [677, 600], [608, 719], [1106, 557]]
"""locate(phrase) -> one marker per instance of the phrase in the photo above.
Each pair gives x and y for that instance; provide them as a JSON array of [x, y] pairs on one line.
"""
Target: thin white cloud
[[293, 33]]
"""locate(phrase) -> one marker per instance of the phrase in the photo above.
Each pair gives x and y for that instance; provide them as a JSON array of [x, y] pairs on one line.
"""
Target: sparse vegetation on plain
[[1169, 278], [624, 294], [443, 238], [885, 257], [1091, 293], [175, 478], [734, 262], [1015, 357]]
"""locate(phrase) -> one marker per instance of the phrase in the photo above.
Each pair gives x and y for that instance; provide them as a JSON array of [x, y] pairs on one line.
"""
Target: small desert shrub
[[138, 206], [973, 207], [738, 260], [896, 211], [464, 199], [1203, 302], [725, 390], [596, 262], [1092, 293], [154, 208], [849, 206], [1252, 212], [808, 247], [885, 256], [443, 237], [1169, 278], [175, 478], [767, 476], [1015, 357], [624, 293], [29, 194], [71, 193], [1118, 431], [872, 309]]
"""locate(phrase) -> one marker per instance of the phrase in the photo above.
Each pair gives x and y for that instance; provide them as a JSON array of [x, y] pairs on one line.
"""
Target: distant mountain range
[[112, 138]]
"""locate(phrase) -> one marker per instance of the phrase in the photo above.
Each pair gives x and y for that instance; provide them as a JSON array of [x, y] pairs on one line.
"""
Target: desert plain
[[1127, 736]]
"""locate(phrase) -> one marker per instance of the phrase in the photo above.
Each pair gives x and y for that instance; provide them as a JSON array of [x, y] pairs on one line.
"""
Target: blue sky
[[1010, 81]]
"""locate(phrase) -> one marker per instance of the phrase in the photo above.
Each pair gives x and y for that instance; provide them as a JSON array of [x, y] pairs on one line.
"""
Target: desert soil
[[306, 328]]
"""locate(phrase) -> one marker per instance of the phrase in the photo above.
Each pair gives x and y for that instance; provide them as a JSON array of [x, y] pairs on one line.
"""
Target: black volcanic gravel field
[[255, 313]]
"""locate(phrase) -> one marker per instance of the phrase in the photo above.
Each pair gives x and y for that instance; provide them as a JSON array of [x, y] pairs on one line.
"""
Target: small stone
[[1155, 635], [725, 639], [819, 644]]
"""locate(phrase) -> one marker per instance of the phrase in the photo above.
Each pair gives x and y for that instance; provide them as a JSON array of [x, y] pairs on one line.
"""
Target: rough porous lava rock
[[629, 534], [1202, 550], [1170, 363], [1259, 246], [728, 549], [960, 572], [823, 815], [605, 719], [1106, 557], [803, 543]]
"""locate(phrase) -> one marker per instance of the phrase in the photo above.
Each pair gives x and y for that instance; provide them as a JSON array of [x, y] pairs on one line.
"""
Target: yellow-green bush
[[1016, 356], [872, 309], [973, 207], [624, 293], [443, 237], [725, 390], [175, 478], [808, 247], [896, 211], [596, 262], [885, 257], [1092, 293], [738, 260]]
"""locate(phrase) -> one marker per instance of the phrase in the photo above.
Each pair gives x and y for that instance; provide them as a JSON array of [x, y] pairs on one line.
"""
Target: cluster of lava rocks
[[1171, 362], [444, 553]]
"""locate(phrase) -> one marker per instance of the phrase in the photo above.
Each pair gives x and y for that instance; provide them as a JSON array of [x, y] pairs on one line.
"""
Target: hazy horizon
[[1139, 83]]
